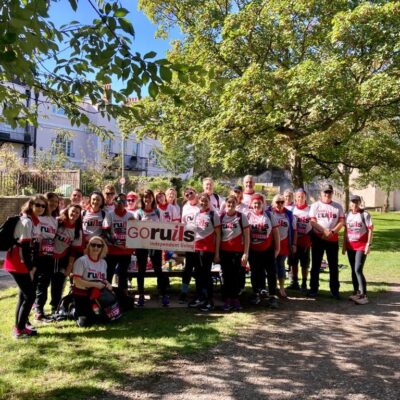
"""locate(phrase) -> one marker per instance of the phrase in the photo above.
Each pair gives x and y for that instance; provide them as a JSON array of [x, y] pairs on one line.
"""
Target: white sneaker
[[361, 300], [354, 297]]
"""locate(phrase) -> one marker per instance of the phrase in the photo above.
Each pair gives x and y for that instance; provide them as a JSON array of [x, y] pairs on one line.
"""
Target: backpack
[[217, 198], [7, 240]]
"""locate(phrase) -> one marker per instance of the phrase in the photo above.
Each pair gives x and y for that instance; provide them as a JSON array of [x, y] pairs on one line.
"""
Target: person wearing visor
[[132, 202], [327, 219], [357, 242], [119, 256]]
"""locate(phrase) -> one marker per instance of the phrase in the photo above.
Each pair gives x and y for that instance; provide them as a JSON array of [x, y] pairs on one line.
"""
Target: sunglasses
[[123, 201], [328, 192], [110, 193], [130, 200], [279, 202], [96, 245], [40, 205], [237, 191], [188, 194]]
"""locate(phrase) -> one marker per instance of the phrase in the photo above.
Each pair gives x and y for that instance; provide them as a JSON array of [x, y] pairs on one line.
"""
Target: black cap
[[355, 197], [238, 187], [327, 188]]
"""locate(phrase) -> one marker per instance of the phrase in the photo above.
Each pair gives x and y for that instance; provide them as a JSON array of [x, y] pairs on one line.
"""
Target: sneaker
[[362, 300], [195, 303], [236, 305], [82, 321], [25, 333], [294, 286], [29, 326], [336, 296], [255, 300], [354, 297], [273, 302], [39, 315], [165, 300], [182, 298], [227, 305], [264, 293], [207, 306], [140, 302], [312, 294]]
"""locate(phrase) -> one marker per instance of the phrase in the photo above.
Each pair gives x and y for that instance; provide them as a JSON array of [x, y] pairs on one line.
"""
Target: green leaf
[[153, 90], [165, 73], [150, 54], [126, 26], [121, 12], [74, 4], [8, 56], [9, 38]]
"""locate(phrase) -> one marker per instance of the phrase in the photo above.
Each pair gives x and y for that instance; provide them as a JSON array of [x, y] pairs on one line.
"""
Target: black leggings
[[204, 282], [155, 257], [122, 261], [43, 277], [26, 297], [357, 260], [190, 262], [261, 262], [232, 273]]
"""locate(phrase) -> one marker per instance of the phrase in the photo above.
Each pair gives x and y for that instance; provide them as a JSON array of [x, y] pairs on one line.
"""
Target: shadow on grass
[[387, 240]]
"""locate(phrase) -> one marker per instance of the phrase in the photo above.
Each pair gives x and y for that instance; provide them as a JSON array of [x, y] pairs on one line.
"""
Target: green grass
[[66, 362]]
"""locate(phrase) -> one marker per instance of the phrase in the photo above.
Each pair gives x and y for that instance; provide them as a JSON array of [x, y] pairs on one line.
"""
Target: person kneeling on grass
[[91, 291]]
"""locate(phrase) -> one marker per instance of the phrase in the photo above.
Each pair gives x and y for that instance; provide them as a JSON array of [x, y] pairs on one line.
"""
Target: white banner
[[159, 236]]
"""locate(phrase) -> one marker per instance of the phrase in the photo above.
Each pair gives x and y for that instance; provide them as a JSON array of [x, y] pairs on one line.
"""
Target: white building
[[80, 144]]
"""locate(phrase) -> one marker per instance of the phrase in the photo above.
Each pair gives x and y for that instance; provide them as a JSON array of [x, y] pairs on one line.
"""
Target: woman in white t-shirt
[[89, 272], [172, 198], [93, 217], [357, 242]]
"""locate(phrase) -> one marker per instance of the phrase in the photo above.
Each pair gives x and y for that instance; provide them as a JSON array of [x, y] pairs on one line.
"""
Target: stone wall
[[11, 206]]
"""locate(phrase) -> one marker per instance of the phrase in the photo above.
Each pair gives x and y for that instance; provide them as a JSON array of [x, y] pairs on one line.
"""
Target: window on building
[[108, 146], [62, 145]]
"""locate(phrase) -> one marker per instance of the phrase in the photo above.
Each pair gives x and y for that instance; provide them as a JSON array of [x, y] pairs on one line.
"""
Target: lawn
[[66, 362]]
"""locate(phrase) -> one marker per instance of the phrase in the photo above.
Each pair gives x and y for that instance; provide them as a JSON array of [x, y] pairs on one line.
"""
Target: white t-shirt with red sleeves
[[303, 219], [65, 242], [92, 223], [168, 213], [48, 230], [232, 227], [357, 231], [327, 215], [188, 213], [89, 269], [261, 226], [205, 223], [117, 224], [284, 226], [25, 231], [247, 198]]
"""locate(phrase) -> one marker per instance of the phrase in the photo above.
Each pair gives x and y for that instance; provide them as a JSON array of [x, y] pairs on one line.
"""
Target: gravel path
[[307, 350]]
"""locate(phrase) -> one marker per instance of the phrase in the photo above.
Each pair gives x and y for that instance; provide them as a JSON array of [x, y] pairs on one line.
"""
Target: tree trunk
[[297, 172], [387, 204], [346, 186]]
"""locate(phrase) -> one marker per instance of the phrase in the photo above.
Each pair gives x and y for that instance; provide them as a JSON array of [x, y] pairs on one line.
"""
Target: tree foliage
[[71, 63], [288, 83]]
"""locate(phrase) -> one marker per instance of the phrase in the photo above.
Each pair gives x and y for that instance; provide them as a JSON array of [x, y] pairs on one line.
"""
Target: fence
[[34, 181]]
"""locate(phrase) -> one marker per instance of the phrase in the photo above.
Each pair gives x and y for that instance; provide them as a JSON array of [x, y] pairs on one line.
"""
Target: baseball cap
[[238, 187], [355, 197], [327, 188]]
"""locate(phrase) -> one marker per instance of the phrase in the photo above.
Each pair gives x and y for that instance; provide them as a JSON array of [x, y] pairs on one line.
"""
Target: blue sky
[[61, 13]]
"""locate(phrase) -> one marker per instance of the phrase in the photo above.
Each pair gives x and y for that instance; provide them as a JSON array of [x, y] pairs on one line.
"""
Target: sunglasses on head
[[96, 245], [189, 193], [40, 205]]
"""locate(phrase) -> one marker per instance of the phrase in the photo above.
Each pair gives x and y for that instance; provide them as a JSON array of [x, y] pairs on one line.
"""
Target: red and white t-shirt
[[247, 198], [261, 226], [357, 231], [65, 241], [89, 269], [26, 230], [188, 213], [327, 215], [117, 223], [92, 223], [232, 227], [205, 223], [48, 230], [302, 214], [284, 226], [168, 213]]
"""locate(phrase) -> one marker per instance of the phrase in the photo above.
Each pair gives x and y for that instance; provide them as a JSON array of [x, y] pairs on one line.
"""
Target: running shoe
[[255, 300], [207, 306], [29, 326], [273, 302], [336, 296], [294, 286], [264, 293], [354, 297], [23, 333], [362, 300], [195, 303], [312, 294]]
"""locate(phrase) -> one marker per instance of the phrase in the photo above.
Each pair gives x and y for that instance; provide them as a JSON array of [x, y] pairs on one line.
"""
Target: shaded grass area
[[67, 362]]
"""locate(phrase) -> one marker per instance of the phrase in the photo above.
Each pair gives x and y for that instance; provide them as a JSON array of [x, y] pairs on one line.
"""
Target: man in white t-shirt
[[248, 184], [327, 219], [215, 199]]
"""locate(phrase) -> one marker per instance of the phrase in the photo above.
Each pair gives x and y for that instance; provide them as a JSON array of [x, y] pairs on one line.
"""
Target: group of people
[[85, 242]]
